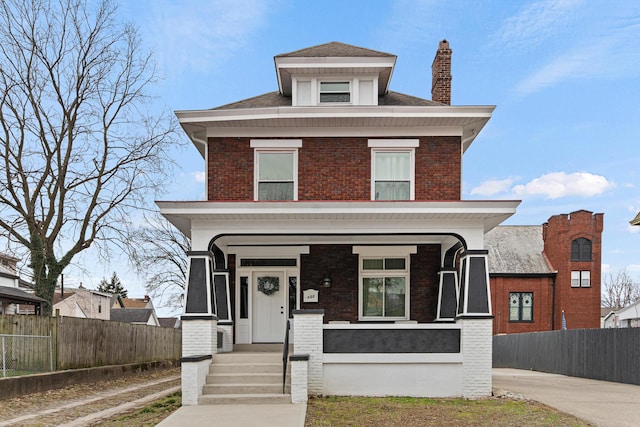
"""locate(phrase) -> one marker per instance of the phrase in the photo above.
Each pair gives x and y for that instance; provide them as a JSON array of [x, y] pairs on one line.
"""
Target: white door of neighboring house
[[269, 306]]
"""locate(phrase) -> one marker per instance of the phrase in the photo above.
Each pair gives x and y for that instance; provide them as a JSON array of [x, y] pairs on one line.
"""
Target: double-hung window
[[581, 279], [384, 284], [335, 92], [276, 169], [392, 169], [521, 306]]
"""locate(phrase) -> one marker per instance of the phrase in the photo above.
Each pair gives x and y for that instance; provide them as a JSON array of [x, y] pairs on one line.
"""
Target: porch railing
[[285, 357]]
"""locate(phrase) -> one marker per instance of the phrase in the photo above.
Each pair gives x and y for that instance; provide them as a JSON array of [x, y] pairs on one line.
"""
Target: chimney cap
[[444, 44]]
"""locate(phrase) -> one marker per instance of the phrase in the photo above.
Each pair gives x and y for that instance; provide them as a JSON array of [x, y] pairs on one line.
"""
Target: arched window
[[581, 249]]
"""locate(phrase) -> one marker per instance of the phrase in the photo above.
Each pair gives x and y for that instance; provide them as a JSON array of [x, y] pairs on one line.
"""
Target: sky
[[564, 76]]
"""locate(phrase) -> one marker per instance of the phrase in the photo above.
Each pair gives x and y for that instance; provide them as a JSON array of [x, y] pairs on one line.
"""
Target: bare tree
[[619, 289], [79, 148], [159, 253]]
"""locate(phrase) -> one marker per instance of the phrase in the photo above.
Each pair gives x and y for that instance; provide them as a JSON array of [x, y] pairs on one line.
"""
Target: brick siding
[[334, 169]]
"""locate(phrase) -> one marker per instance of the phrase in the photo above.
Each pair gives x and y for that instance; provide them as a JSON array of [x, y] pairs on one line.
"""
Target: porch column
[[476, 347], [447, 294], [474, 315], [199, 327], [307, 325], [475, 297], [222, 298]]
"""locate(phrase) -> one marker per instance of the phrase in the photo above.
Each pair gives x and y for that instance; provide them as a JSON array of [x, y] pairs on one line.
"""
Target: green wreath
[[268, 285]]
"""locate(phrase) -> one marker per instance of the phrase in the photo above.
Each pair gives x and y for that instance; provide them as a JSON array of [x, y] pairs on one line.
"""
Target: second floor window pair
[[392, 171]]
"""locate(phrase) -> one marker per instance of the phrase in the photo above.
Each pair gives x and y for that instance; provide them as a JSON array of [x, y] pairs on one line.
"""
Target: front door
[[269, 308]]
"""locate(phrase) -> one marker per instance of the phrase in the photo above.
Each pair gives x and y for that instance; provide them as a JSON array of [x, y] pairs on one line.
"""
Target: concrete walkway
[[271, 415], [600, 402]]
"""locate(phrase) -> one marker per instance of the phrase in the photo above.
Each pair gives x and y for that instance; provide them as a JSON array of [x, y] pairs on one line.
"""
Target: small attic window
[[335, 92]]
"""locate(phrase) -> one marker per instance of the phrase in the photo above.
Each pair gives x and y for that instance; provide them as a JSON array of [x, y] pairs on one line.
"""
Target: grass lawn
[[410, 412], [390, 412]]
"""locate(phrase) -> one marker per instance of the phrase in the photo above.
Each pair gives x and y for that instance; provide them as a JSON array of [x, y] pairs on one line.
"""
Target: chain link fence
[[26, 354]]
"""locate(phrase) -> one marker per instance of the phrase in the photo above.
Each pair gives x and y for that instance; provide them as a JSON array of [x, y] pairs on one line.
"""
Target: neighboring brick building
[[337, 197], [539, 272]]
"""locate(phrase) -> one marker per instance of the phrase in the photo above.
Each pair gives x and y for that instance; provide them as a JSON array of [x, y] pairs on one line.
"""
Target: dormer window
[[332, 92]]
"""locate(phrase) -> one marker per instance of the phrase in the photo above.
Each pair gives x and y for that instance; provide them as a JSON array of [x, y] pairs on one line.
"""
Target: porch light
[[326, 282]]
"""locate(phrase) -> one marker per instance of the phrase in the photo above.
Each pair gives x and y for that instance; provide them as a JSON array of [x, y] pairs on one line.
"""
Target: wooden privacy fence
[[84, 343], [600, 354]]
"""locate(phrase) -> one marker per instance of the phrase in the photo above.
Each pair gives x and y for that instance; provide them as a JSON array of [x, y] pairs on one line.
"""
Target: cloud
[[560, 184], [492, 187], [535, 23], [199, 176], [608, 51], [197, 34]]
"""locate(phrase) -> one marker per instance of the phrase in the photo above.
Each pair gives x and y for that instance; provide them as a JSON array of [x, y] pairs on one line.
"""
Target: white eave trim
[[210, 117]]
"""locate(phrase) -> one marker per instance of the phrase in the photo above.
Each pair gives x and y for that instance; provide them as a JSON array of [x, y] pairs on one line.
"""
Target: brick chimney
[[441, 74]]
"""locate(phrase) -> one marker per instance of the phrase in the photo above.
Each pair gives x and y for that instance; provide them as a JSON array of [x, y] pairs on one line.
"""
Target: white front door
[[269, 308]]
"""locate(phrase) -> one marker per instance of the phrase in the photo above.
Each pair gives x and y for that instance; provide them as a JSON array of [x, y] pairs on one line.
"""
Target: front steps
[[251, 374]]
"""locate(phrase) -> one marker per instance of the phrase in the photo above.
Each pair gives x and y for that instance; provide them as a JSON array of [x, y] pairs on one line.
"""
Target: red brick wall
[[340, 301], [581, 305], [335, 169], [542, 302]]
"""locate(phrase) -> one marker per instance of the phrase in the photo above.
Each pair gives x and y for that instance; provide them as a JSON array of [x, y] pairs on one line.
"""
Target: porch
[[408, 283]]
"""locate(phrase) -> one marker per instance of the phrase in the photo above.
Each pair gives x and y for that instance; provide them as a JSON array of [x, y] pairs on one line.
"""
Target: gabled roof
[[517, 250], [636, 220], [335, 49], [137, 302], [11, 295], [131, 315], [333, 59], [169, 322]]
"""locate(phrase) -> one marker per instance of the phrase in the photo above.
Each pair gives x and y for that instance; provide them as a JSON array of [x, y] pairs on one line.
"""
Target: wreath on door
[[268, 285]]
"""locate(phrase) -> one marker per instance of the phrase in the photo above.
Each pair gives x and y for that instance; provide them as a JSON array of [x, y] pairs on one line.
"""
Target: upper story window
[[580, 279], [581, 249], [335, 92], [392, 169], [276, 169]]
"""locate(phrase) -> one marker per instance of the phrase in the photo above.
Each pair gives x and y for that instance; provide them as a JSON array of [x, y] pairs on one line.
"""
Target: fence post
[[4, 360], [51, 350]]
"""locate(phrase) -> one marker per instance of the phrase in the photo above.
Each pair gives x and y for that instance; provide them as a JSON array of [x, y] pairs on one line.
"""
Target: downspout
[[553, 302]]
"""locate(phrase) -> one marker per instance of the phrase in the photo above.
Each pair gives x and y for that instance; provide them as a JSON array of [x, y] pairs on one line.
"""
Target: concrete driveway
[[600, 402]]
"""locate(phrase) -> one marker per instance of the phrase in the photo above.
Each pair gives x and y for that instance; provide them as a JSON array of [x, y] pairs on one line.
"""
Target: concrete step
[[272, 348], [232, 368], [247, 357], [245, 388], [245, 378], [243, 399]]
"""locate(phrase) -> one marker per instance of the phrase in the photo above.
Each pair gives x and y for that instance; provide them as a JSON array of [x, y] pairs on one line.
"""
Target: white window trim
[[368, 252], [581, 275], [288, 146], [394, 146]]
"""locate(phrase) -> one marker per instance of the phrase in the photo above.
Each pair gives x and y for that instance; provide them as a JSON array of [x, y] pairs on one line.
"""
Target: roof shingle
[[335, 49], [516, 250]]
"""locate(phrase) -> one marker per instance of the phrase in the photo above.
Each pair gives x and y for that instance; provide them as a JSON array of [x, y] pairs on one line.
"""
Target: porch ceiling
[[336, 221]]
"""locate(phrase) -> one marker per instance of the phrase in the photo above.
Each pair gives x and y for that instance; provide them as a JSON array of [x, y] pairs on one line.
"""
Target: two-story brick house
[[336, 202]]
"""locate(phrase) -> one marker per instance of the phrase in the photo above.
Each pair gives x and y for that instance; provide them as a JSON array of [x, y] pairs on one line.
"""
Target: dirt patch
[[103, 395]]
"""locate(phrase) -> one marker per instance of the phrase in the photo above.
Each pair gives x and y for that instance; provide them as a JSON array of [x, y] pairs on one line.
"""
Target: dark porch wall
[[340, 301], [335, 169]]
